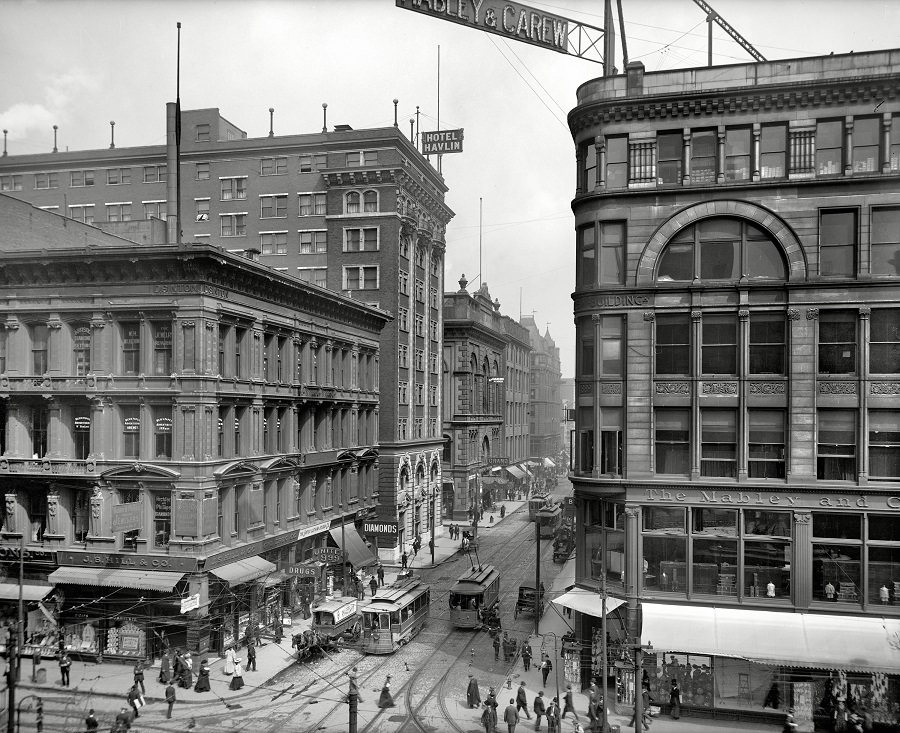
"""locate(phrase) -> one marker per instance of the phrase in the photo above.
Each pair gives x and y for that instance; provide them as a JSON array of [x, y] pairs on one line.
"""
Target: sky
[[79, 64]]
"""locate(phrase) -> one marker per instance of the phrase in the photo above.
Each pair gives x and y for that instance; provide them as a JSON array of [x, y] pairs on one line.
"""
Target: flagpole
[[178, 141]]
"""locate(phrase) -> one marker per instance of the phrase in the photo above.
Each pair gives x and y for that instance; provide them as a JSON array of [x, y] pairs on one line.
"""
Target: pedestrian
[[237, 678], [502, 511], [505, 644], [139, 676], [165, 668], [645, 712], [487, 720], [404, 559], [527, 654], [373, 584], [136, 700], [496, 647], [553, 719], [203, 677], [91, 722], [354, 685], [380, 573], [229, 662], [511, 716], [595, 709], [491, 702], [123, 721], [431, 545], [279, 632], [540, 709], [522, 699], [65, 665], [546, 668], [170, 699], [568, 704], [473, 695], [186, 676], [35, 662], [675, 699], [385, 700], [251, 657]]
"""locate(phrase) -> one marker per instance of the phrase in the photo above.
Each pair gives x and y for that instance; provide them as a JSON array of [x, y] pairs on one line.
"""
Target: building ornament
[[767, 388], [673, 388], [720, 388], [837, 387], [696, 315], [793, 314], [885, 388], [812, 314], [649, 316]]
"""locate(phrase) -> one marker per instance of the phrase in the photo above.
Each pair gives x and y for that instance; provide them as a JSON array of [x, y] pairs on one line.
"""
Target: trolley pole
[[537, 578]]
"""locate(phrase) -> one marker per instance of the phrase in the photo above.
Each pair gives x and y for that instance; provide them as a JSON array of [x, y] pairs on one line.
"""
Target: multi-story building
[[516, 424], [358, 211], [738, 371], [177, 423], [544, 379]]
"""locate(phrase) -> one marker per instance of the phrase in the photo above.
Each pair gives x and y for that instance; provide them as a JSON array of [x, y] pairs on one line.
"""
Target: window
[[162, 347], [420, 360], [273, 166], [617, 161], [361, 240], [131, 431], [403, 355], [131, 347], [361, 278], [766, 447], [433, 329], [672, 440], [403, 392], [81, 348], [315, 275], [420, 433], [673, 342], [233, 188], [78, 179], [118, 212], [403, 281], [718, 443], [82, 212], [362, 157], [611, 336], [610, 442], [154, 174], [313, 241], [432, 363], [351, 202], [273, 243], [312, 203], [201, 171], [273, 206], [370, 201], [403, 318], [767, 343], [162, 518], [773, 151], [404, 247], [737, 153], [829, 139], [420, 291], [669, 147], [836, 447], [586, 363], [589, 172], [162, 431], [155, 209], [587, 261], [81, 431], [433, 298], [420, 325], [703, 156], [884, 340], [885, 239], [46, 180], [310, 163], [10, 183], [233, 225], [420, 396], [432, 395], [40, 335], [719, 348], [201, 133], [201, 212], [2, 366], [239, 335], [612, 253], [837, 242], [837, 342], [884, 444], [40, 424], [866, 158], [402, 431]]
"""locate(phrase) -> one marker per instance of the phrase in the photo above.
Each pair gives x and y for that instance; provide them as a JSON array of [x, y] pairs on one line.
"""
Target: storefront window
[[767, 570], [692, 671], [82, 637], [665, 568], [836, 573], [715, 521], [715, 566], [883, 567]]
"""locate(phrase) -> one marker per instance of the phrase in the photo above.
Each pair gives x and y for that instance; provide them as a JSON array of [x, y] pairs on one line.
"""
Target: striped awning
[[516, 471], [115, 578], [30, 591], [245, 570]]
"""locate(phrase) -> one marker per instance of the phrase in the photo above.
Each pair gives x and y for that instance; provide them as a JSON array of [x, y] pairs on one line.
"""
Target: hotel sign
[[508, 19], [442, 141]]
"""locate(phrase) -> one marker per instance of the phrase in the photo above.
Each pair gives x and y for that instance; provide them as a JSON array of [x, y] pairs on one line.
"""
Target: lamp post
[[556, 663]]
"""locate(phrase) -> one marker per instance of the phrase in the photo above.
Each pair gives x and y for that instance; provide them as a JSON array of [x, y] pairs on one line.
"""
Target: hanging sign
[[190, 603], [442, 141], [328, 555], [126, 517]]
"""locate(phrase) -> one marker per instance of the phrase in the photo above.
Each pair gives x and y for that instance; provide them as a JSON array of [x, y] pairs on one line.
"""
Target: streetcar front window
[[395, 618], [367, 620], [384, 620]]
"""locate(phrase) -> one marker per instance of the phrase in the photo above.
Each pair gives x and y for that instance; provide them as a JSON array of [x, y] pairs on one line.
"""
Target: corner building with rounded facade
[[737, 438]]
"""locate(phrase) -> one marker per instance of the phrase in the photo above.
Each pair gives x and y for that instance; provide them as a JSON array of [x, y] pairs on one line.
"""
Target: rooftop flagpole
[[178, 140]]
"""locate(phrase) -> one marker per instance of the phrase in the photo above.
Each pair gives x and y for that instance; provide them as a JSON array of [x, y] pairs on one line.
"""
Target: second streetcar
[[475, 596], [394, 616]]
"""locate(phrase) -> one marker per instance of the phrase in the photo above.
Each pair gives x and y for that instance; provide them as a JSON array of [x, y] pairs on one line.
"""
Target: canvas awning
[[809, 640], [516, 471], [357, 551], [586, 601], [159, 580], [549, 463], [245, 570], [30, 591]]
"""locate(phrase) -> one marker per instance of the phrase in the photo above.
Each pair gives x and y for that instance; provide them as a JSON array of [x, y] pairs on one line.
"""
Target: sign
[[380, 528], [126, 517], [510, 20], [497, 460], [328, 555], [12, 552], [190, 603], [344, 612], [126, 561], [442, 141], [303, 571], [313, 529]]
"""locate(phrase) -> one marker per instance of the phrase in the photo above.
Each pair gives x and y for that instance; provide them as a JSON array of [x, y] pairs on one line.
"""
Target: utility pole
[[352, 699], [604, 662], [433, 508], [538, 599], [16, 642], [639, 650]]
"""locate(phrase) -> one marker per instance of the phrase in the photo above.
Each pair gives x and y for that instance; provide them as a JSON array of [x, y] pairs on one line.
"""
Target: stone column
[[720, 154], [756, 171], [632, 567], [801, 566]]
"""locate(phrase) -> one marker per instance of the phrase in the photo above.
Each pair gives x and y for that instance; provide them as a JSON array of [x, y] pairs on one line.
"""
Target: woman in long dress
[[385, 700], [165, 669], [473, 694], [203, 678], [237, 679], [187, 674], [229, 662]]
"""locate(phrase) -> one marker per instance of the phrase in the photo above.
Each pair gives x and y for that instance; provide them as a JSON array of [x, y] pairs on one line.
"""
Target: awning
[[30, 591], [357, 551], [115, 578], [549, 463], [516, 471], [811, 640], [243, 571], [586, 601]]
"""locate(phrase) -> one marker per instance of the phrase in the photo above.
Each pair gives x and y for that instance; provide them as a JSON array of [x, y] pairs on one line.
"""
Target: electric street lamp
[[556, 657]]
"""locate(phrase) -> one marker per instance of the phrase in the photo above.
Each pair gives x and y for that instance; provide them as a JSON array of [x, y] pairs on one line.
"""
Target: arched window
[[486, 389], [370, 201], [351, 203], [721, 248]]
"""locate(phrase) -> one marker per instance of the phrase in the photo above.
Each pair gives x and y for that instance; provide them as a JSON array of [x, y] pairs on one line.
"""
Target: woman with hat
[[237, 679], [385, 700], [203, 678]]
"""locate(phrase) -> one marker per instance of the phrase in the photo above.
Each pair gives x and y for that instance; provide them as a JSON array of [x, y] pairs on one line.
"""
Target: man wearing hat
[[522, 700], [539, 709], [473, 695], [568, 704], [511, 716]]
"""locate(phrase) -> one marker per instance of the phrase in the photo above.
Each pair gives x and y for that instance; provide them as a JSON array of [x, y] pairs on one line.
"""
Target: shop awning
[[30, 591], [115, 578], [243, 571], [810, 640], [516, 471], [586, 601], [549, 463], [357, 551]]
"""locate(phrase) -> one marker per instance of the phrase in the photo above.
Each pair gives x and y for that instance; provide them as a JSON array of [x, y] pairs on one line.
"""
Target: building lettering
[[618, 301], [190, 289], [762, 498]]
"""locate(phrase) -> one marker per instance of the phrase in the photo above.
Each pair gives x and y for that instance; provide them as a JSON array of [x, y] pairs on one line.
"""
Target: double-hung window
[[274, 206], [838, 242], [361, 277], [837, 342], [884, 341], [737, 153], [234, 225], [718, 443], [673, 344], [866, 158], [617, 161], [836, 445], [273, 166], [234, 188], [885, 239]]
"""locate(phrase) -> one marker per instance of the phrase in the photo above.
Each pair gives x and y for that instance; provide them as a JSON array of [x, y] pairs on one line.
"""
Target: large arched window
[[370, 201], [351, 201], [721, 248]]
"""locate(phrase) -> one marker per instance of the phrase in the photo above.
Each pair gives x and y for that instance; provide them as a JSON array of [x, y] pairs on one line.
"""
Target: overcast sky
[[79, 64]]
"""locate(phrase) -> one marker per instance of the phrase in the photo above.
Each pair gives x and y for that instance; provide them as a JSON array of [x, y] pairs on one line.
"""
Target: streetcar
[[394, 616], [549, 518], [535, 504], [474, 596]]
